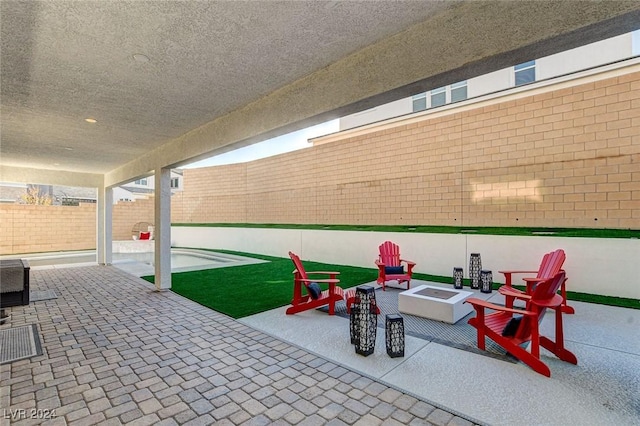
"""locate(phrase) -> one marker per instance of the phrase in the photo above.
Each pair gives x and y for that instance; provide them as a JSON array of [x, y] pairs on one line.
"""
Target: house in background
[[570, 61], [144, 187], [57, 194], [73, 196]]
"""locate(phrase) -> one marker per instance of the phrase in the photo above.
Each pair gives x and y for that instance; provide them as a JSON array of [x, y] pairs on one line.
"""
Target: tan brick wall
[[126, 214], [31, 228], [564, 158], [215, 194], [34, 229]]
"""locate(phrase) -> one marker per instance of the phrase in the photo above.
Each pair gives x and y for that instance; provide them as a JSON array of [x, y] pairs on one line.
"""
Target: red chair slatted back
[[551, 264], [298, 264], [390, 254]]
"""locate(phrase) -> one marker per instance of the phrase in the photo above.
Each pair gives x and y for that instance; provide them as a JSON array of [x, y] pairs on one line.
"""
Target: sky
[[285, 143]]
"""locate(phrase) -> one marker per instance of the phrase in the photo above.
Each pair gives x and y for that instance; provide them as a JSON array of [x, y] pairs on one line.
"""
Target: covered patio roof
[[171, 82]]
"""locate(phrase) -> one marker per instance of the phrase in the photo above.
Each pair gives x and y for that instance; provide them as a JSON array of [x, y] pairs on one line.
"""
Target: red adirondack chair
[[390, 266], [551, 264], [493, 325], [302, 302]]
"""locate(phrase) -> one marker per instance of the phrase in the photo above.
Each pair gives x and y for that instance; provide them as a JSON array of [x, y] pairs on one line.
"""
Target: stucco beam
[[50, 177], [462, 42]]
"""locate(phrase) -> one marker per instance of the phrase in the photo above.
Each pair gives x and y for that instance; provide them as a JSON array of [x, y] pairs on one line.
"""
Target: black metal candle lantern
[[458, 273], [394, 335], [353, 322], [487, 281], [475, 266], [366, 320]]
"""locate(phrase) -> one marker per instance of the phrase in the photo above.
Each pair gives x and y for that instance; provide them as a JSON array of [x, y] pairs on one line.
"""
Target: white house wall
[[379, 113], [489, 83], [581, 58], [573, 60]]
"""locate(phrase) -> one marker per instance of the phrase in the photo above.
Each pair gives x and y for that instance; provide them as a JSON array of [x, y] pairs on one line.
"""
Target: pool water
[[142, 263], [179, 259]]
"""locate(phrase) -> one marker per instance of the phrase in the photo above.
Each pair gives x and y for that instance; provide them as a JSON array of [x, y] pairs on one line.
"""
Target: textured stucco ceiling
[[64, 61]]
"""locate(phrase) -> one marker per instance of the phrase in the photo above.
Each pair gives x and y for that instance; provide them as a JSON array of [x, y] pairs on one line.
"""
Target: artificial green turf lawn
[[483, 230], [240, 291]]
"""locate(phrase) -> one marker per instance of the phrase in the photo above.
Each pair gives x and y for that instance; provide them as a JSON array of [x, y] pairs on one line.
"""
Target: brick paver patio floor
[[117, 352]]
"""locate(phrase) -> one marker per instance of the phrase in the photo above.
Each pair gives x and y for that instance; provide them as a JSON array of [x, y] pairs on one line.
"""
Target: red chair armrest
[[323, 272], [513, 292], [484, 304], [327, 280], [507, 275]]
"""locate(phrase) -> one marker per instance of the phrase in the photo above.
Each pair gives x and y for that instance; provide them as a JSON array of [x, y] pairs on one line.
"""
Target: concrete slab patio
[[603, 389]]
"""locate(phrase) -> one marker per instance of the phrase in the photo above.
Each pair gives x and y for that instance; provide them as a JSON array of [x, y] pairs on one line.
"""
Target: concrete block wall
[[212, 194], [127, 213], [33, 229], [568, 157]]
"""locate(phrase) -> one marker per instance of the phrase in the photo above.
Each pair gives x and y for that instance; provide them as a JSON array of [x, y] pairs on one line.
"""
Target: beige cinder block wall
[[562, 158], [214, 194], [34, 229], [31, 228], [127, 213], [570, 157]]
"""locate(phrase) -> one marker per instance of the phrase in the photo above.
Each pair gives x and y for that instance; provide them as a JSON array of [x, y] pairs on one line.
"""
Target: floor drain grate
[[19, 343]]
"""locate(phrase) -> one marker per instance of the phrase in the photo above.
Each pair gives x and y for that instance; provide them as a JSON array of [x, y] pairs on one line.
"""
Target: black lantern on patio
[[486, 277], [366, 320], [353, 322], [475, 266], [394, 335], [458, 273]]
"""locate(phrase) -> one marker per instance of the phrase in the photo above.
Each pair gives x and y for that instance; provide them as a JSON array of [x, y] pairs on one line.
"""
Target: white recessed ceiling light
[[91, 120], [139, 57]]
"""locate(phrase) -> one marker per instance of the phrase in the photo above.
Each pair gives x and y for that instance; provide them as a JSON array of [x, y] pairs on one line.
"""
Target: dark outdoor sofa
[[14, 282]]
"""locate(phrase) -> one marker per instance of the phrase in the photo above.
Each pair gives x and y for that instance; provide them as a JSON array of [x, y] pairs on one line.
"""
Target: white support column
[[104, 237], [162, 230]]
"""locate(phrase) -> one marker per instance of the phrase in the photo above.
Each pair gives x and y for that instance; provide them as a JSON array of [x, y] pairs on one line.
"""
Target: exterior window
[[175, 182], [419, 102], [525, 73], [438, 97], [141, 182], [459, 91]]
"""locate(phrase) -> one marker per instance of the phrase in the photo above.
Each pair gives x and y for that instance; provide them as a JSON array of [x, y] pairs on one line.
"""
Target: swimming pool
[[180, 258], [142, 263]]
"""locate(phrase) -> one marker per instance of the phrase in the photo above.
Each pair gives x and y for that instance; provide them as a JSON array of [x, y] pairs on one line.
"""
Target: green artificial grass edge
[[243, 290], [469, 230], [275, 277]]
